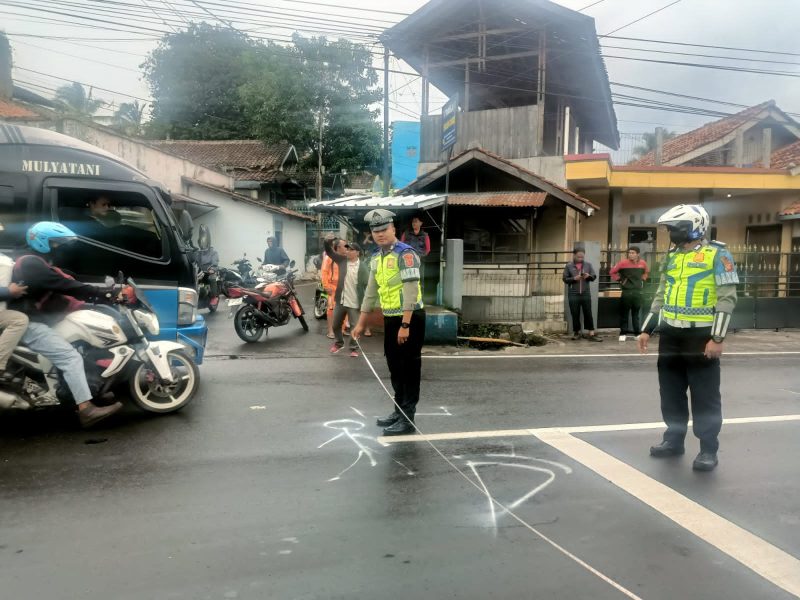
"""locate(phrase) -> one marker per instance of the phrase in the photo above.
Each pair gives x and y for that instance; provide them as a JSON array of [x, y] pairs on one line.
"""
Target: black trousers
[[682, 366], [578, 303], [631, 303], [405, 362]]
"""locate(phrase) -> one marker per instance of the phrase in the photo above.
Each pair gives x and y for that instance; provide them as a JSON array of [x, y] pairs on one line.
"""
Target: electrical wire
[[640, 19]]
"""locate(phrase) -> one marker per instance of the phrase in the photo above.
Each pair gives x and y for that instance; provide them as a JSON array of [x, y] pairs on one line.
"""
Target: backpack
[[51, 302]]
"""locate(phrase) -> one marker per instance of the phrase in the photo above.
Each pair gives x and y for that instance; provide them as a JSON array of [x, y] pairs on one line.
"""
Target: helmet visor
[[55, 242]]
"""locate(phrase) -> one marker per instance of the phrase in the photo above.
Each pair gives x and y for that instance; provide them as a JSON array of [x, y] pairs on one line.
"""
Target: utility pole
[[319, 160], [386, 181]]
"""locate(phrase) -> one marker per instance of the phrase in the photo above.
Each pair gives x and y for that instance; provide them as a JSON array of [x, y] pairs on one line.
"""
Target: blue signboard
[[405, 152], [449, 123]]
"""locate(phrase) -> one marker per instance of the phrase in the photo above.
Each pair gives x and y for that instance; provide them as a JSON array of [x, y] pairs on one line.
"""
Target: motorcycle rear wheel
[[321, 308], [247, 325], [153, 396]]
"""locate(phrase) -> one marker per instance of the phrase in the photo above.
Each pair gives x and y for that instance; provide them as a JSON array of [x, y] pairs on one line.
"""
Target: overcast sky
[[754, 24]]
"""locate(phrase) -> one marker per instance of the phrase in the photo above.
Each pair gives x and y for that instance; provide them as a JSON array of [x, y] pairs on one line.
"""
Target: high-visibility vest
[[391, 269], [691, 288]]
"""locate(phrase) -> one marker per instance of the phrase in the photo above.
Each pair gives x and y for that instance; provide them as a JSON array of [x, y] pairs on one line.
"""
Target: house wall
[[550, 229], [160, 166], [238, 227]]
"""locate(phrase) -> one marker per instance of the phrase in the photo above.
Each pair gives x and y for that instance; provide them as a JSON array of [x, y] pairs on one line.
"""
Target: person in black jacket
[[577, 275], [353, 278], [48, 297]]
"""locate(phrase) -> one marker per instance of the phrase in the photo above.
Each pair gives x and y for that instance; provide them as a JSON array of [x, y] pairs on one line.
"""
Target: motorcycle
[[320, 295], [111, 339], [272, 305], [245, 269], [320, 302], [207, 284]]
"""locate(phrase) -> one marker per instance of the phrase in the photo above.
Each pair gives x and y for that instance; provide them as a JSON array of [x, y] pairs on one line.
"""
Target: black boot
[[665, 449], [402, 427], [389, 420], [705, 461]]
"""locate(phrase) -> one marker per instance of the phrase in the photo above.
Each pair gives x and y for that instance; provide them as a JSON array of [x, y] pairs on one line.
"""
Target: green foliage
[[292, 88], [211, 82], [194, 77], [649, 144], [73, 99], [128, 117]]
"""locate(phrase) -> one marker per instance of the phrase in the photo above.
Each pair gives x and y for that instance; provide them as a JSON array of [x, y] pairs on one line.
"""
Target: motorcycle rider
[[207, 258], [48, 297], [12, 322]]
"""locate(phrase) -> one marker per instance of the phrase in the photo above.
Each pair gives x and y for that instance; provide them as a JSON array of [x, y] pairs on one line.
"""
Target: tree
[[73, 99], [129, 116], [649, 144], [293, 90], [194, 78]]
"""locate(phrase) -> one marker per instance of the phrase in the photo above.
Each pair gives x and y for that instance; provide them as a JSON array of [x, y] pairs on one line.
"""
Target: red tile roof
[[794, 209], [511, 199], [243, 159], [783, 157], [711, 132], [12, 110]]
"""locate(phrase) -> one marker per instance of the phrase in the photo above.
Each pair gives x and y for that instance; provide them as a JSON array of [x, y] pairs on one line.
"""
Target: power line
[[640, 19], [591, 5], [676, 53], [706, 66], [633, 39], [97, 87]]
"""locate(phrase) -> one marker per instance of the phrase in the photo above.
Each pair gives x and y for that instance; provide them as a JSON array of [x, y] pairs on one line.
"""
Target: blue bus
[[123, 220]]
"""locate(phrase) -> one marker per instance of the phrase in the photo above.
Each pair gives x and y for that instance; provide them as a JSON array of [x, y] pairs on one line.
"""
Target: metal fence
[[517, 287]]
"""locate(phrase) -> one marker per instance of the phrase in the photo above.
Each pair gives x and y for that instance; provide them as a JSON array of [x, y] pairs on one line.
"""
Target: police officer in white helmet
[[692, 308]]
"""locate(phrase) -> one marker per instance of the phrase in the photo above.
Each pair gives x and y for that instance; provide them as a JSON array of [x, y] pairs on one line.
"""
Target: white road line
[[469, 435], [610, 355], [772, 563]]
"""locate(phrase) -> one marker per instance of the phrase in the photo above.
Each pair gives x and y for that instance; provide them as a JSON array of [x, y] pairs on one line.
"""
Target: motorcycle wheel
[[321, 308], [212, 306], [247, 325], [152, 396], [303, 323]]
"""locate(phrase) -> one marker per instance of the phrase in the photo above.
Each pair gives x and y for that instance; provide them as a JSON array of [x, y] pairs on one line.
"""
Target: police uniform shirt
[[394, 280], [725, 280]]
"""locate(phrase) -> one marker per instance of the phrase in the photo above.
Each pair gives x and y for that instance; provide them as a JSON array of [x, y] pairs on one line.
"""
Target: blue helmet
[[41, 235]]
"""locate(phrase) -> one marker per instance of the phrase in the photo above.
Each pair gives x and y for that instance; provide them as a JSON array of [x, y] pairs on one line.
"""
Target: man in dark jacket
[[274, 254], [45, 303], [577, 275]]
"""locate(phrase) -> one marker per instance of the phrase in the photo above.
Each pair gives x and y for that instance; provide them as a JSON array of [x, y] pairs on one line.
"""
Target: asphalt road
[[273, 484]]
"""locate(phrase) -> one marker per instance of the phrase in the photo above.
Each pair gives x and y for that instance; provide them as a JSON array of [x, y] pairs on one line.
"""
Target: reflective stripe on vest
[[390, 285], [691, 290]]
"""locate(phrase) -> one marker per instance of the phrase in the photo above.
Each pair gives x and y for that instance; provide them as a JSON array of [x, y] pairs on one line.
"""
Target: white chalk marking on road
[[284, 552], [772, 563], [358, 412], [444, 412], [291, 540], [469, 435], [790, 391], [344, 425], [610, 355], [258, 408]]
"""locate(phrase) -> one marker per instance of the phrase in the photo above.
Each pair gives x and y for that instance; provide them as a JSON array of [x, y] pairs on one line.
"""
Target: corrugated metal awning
[[499, 199], [365, 202]]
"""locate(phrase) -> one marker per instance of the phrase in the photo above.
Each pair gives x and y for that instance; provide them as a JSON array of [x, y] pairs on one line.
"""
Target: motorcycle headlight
[[148, 321]]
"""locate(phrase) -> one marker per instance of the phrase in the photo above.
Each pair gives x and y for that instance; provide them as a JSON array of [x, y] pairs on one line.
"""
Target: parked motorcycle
[[245, 269], [208, 289], [320, 295], [111, 339], [271, 306], [320, 302]]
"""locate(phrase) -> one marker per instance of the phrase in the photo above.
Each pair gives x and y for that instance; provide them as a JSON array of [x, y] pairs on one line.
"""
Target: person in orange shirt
[[329, 275]]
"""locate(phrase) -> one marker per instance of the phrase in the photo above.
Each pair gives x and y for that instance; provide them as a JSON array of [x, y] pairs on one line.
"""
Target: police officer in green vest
[[394, 280], [692, 307]]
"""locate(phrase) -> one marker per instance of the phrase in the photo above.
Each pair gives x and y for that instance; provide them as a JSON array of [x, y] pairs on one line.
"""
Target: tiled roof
[[794, 209], [711, 132], [511, 199], [12, 110], [242, 159], [782, 158]]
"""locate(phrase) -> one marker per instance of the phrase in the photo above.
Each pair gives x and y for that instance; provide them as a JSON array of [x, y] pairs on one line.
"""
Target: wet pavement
[[274, 484]]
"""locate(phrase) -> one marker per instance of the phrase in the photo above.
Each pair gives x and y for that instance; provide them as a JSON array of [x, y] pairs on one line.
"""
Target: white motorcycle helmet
[[686, 222]]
